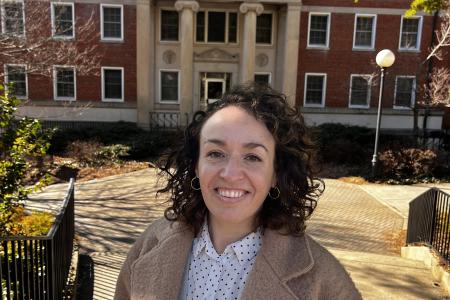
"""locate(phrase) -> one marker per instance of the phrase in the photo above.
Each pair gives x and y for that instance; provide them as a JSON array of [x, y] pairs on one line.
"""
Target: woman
[[241, 189]]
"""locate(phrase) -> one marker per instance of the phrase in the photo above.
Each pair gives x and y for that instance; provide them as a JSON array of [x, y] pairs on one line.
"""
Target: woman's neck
[[223, 234]]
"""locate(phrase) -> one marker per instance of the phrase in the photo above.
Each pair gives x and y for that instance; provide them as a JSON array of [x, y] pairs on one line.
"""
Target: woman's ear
[[274, 181]]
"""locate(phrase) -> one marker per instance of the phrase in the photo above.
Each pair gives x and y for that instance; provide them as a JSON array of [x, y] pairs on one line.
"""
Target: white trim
[[356, 9], [369, 91], [227, 23], [324, 89], [4, 19], [6, 75], [224, 87], [419, 35], [122, 85], [272, 33], [159, 87], [327, 41], [160, 25], [55, 83], [52, 9], [264, 73], [374, 30], [413, 92], [113, 39]]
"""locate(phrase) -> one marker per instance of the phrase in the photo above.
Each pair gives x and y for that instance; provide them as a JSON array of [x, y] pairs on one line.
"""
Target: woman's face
[[235, 166]]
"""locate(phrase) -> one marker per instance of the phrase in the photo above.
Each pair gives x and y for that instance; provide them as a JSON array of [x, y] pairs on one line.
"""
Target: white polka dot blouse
[[209, 275]]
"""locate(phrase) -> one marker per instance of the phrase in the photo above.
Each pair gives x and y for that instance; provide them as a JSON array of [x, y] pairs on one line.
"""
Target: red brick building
[[174, 57]]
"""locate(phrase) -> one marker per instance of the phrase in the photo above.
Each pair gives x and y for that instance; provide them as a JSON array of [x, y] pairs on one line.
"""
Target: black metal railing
[[429, 221], [165, 120], [38, 267]]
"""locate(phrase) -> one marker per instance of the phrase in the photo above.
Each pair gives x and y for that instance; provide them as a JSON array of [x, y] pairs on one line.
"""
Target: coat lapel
[[159, 273], [282, 257]]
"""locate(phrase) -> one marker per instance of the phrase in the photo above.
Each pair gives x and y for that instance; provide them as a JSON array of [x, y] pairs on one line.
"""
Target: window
[[315, 89], [365, 28], [410, 33], [404, 91], [112, 84], [360, 91], [319, 30], [169, 86], [216, 27], [63, 20], [264, 29], [16, 74], [12, 17], [263, 78], [169, 25], [112, 22], [64, 83]]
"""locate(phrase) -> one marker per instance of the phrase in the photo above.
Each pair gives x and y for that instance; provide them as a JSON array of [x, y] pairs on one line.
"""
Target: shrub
[[408, 164], [93, 153], [113, 153]]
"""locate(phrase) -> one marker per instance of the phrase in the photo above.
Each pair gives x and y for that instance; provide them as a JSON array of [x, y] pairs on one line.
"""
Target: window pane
[[404, 91], [169, 25], [169, 86], [232, 27], [410, 29], [65, 82], [318, 30], [113, 84], [359, 91], [200, 33], [363, 34], [216, 27], [13, 17], [16, 75], [112, 18], [262, 78], [264, 29], [63, 25], [314, 89]]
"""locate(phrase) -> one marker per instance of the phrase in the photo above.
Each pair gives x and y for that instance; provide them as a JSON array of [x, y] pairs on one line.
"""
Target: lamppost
[[385, 58]]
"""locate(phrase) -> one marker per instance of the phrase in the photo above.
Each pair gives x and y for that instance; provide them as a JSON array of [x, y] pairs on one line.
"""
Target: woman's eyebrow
[[250, 145]]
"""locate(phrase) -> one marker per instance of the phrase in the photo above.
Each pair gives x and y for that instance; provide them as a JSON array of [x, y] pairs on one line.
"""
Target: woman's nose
[[232, 170]]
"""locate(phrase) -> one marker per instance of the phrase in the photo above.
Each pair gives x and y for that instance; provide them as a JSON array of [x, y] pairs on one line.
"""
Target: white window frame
[[369, 91], [7, 78], [55, 83], [419, 35], [319, 46], [160, 26], [113, 39], [103, 84], [160, 90], [413, 92], [227, 24], [63, 37], [264, 73], [272, 32], [3, 17], [324, 90], [374, 30]]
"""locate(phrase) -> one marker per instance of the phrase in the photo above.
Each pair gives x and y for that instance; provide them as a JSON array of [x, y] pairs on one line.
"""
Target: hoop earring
[[192, 184], [277, 191]]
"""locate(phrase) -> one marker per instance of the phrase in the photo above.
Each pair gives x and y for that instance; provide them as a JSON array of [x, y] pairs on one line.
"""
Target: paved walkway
[[111, 212]]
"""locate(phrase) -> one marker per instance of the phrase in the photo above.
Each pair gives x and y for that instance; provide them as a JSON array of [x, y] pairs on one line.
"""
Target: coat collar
[[159, 272]]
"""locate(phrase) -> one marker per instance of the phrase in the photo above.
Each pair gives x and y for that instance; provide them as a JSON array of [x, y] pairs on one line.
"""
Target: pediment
[[216, 55]]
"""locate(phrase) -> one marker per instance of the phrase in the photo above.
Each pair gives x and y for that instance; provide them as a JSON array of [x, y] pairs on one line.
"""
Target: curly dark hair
[[299, 189]]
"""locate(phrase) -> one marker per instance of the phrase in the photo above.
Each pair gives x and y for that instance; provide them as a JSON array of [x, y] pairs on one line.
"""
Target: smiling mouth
[[231, 194]]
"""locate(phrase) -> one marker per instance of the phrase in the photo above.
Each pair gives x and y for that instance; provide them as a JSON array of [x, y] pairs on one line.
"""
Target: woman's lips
[[231, 195]]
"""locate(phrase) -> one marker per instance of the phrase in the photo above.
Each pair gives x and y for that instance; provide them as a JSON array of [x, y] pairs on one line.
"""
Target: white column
[[186, 9], [291, 43], [247, 58], [145, 48]]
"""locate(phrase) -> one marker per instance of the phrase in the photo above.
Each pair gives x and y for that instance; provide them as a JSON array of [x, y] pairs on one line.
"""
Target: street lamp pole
[[385, 58]]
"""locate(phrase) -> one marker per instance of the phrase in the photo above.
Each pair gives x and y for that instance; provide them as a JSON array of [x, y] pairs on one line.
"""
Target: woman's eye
[[253, 157], [214, 154]]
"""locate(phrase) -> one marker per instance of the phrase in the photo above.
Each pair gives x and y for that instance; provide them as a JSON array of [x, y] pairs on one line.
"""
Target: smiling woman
[[241, 187]]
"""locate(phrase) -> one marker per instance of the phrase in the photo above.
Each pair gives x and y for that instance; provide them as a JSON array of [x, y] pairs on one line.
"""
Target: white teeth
[[231, 193]]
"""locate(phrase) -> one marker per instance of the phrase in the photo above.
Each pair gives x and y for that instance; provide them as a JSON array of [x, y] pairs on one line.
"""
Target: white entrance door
[[214, 89]]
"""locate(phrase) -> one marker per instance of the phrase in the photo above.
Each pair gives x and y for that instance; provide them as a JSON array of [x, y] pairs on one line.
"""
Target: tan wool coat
[[286, 267]]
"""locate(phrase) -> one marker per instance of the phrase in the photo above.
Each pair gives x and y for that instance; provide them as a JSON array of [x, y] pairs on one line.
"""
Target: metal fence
[[38, 267], [166, 120], [429, 221]]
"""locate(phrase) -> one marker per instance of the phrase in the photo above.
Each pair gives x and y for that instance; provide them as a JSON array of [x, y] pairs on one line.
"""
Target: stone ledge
[[431, 260]]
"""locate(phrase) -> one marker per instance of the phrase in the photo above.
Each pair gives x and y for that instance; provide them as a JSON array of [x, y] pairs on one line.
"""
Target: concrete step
[[378, 276]]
